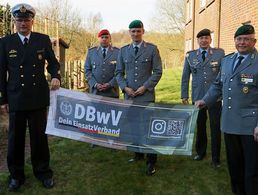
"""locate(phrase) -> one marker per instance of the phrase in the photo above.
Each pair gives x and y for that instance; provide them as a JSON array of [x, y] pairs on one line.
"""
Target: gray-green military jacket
[[239, 90], [102, 70], [143, 69], [203, 73]]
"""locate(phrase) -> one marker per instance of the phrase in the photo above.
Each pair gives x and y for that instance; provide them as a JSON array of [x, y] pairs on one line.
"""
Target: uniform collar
[[22, 37], [208, 51], [138, 45], [245, 56], [107, 48]]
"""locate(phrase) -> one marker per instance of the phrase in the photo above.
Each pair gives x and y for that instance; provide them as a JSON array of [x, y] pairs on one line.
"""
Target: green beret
[[136, 24], [204, 32], [246, 29]]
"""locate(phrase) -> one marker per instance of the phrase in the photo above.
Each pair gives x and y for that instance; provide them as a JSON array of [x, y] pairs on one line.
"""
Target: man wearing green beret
[[138, 71], [237, 84]]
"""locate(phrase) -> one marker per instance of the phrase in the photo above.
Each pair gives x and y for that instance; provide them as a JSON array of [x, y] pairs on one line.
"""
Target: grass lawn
[[80, 169]]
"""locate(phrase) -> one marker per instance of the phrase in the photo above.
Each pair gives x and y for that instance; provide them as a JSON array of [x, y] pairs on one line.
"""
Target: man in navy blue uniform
[[24, 93], [237, 84]]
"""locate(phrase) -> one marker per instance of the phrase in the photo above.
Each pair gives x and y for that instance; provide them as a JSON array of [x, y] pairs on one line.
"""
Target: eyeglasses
[[244, 39], [23, 20]]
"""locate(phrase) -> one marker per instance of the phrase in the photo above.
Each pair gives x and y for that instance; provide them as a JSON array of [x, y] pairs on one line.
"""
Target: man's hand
[[5, 107], [185, 101], [129, 91], [256, 134], [55, 84], [200, 104], [141, 90], [105, 86], [99, 87]]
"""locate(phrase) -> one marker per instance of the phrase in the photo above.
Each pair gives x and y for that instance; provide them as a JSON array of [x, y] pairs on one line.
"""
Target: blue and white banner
[[119, 124]]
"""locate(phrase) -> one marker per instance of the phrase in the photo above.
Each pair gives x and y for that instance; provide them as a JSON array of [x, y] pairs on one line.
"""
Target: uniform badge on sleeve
[[0, 94]]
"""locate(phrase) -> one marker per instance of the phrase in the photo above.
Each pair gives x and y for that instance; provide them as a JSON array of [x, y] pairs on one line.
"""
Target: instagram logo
[[158, 126]]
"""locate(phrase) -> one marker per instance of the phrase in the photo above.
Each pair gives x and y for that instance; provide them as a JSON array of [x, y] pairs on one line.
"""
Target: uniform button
[[229, 107], [22, 75], [205, 82], [135, 61], [229, 98], [204, 72], [22, 84], [21, 66], [205, 77], [136, 67], [103, 69], [135, 80], [34, 65], [253, 112], [104, 62], [135, 74], [34, 84], [229, 89], [231, 80], [33, 75]]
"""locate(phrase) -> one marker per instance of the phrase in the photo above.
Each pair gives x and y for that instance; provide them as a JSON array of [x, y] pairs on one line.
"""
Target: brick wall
[[222, 17]]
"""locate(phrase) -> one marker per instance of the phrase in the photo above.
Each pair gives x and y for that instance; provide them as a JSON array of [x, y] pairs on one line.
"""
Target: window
[[188, 45], [202, 3], [212, 39], [189, 10]]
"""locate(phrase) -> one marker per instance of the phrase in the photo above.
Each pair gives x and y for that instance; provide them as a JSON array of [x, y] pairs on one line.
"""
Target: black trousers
[[36, 121], [201, 138], [151, 158], [242, 158]]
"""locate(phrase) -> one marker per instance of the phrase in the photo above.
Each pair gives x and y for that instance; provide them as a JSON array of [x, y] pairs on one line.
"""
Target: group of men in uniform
[[136, 68]]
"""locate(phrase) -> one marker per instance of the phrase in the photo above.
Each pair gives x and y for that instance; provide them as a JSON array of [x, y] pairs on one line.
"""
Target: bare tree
[[170, 16]]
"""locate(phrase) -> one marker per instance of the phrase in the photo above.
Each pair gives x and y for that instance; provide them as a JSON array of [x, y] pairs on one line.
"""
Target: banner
[[121, 124]]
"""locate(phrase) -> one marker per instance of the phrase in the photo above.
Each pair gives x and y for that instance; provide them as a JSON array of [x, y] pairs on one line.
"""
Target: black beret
[[246, 29], [204, 32], [136, 24]]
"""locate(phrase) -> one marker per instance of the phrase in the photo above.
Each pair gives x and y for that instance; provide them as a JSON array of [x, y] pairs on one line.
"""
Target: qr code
[[175, 127]]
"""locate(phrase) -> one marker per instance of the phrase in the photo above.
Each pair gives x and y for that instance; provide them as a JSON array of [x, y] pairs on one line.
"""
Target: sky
[[116, 14]]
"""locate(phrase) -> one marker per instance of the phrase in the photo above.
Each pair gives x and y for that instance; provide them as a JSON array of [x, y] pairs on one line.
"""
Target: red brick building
[[222, 17]]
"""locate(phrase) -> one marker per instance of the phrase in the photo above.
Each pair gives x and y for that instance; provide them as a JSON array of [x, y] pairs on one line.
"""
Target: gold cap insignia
[[23, 9]]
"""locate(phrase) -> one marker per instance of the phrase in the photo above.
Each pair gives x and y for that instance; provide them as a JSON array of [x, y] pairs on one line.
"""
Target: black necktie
[[240, 58], [203, 55], [104, 52], [136, 50], [25, 41]]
